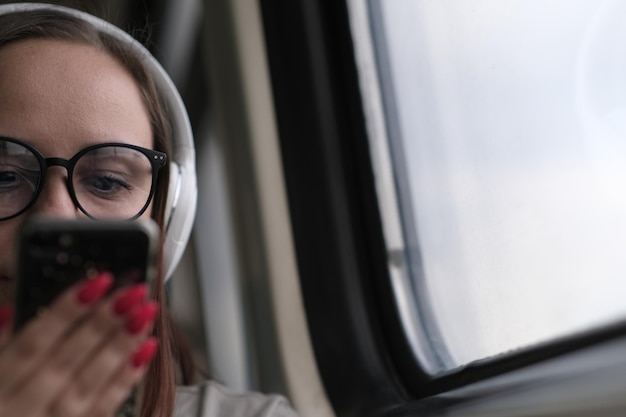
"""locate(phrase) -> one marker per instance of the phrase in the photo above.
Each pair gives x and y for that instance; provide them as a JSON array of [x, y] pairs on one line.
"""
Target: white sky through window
[[513, 122]]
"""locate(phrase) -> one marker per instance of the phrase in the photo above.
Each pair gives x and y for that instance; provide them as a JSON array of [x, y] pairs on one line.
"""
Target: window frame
[[364, 357], [317, 102]]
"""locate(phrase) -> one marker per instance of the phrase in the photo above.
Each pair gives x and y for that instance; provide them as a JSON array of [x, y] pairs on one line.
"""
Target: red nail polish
[[6, 315], [92, 290], [130, 298], [141, 316], [145, 352]]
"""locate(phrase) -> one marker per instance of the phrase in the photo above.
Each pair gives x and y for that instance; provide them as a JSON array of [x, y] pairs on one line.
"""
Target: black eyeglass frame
[[157, 161]]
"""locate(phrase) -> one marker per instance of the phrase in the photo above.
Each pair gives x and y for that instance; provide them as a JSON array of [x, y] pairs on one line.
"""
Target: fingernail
[[140, 317], [95, 288], [145, 352], [6, 314], [130, 298]]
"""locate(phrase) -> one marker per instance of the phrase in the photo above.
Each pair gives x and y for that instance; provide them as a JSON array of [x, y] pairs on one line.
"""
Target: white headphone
[[182, 192]]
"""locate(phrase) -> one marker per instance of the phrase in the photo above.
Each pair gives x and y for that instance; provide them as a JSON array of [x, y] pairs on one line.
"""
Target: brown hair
[[160, 380]]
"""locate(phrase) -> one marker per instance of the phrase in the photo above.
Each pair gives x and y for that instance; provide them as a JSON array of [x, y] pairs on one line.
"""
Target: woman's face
[[61, 97]]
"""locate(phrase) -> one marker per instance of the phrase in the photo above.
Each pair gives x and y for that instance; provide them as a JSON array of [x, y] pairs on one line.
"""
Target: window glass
[[507, 129]]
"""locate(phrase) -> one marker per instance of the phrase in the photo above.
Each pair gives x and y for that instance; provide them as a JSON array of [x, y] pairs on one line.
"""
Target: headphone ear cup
[[179, 217]]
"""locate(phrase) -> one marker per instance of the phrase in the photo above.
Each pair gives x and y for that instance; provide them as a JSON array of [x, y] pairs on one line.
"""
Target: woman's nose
[[55, 199]]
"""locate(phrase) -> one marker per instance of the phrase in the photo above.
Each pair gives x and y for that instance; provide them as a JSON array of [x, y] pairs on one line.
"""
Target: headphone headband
[[182, 191]]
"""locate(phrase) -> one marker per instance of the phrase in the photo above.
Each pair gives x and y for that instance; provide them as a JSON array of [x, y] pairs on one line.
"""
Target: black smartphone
[[53, 254]]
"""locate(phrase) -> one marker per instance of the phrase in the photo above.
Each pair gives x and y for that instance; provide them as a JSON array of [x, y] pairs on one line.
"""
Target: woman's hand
[[82, 356]]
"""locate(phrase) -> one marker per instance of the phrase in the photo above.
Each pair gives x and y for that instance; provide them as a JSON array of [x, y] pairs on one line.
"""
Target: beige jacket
[[211, 399]]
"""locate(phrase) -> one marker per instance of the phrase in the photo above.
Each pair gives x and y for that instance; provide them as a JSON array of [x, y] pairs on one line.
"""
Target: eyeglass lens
[[108, 182]]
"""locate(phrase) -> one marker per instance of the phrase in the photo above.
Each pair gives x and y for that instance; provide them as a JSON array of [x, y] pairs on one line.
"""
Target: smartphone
[[54, 254]]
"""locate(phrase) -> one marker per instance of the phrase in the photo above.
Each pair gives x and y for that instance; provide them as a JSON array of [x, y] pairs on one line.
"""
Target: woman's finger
[[118, 389], [95, 375], [32, 346], [83, 342]]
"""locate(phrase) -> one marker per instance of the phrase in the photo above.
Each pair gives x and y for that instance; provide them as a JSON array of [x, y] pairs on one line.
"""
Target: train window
[[497, 131]]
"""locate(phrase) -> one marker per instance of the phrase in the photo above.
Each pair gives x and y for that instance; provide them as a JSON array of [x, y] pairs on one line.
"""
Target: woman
[[70, 82]]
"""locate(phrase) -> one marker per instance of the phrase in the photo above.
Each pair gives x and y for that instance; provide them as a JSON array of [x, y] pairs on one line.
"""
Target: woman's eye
[[105, 185], [13, 178], [8, 178]]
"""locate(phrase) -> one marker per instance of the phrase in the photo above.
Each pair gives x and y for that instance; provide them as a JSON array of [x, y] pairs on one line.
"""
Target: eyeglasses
[[105, 181]]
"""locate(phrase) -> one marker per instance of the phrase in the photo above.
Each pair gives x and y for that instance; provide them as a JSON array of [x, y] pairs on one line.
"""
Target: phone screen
[[54, 254]]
